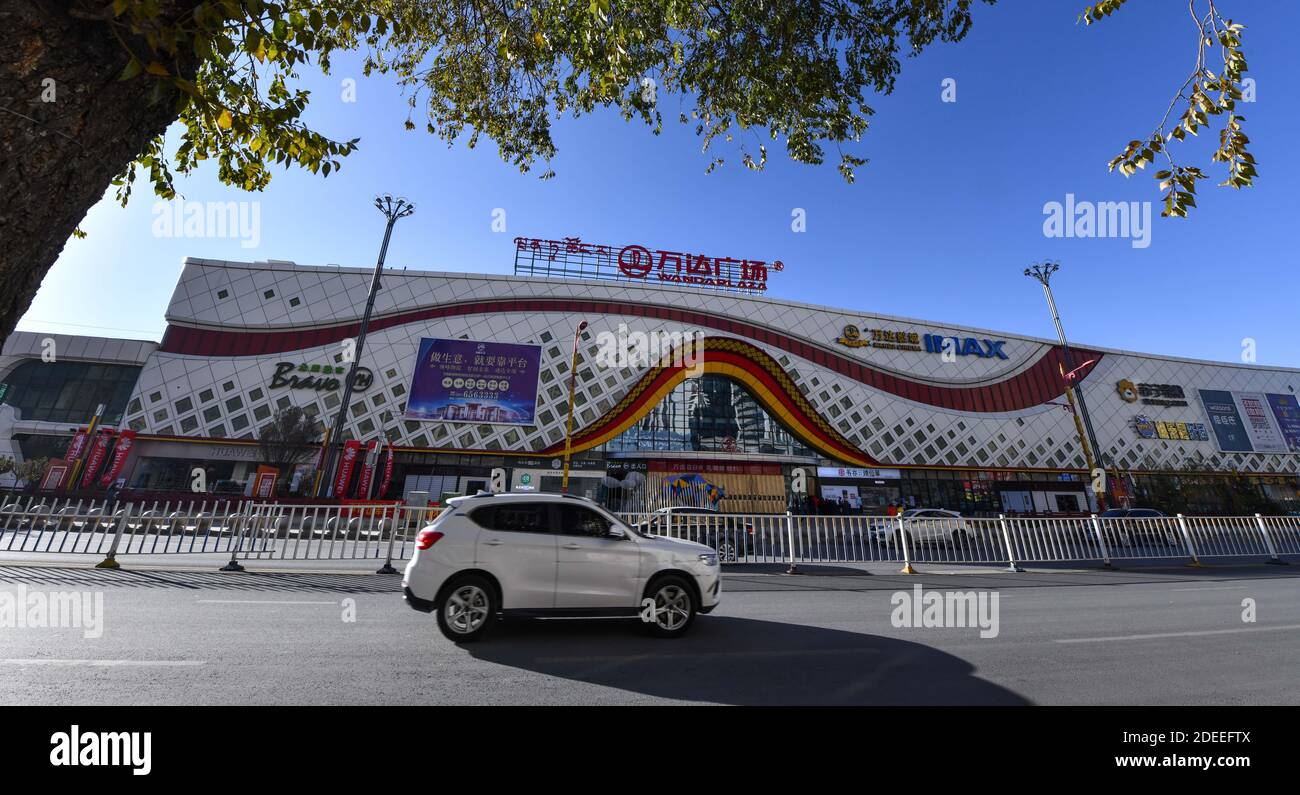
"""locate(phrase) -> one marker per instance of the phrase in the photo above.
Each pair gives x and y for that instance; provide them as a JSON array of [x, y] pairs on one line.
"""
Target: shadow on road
[[742, 661]]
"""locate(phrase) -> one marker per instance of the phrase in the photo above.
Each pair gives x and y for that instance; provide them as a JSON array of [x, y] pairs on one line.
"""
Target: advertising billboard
[[479, 382], [1287, 413], [1229, 430], [1257, 419]]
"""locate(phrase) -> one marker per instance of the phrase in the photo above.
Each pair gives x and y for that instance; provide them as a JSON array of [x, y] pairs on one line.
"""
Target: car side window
[[523, 518], [576, 520]]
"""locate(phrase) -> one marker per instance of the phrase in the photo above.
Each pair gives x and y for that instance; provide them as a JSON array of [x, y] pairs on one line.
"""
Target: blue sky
[[939, 225]]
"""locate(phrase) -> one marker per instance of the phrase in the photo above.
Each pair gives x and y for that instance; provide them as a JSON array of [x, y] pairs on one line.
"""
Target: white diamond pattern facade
[[228, 396]]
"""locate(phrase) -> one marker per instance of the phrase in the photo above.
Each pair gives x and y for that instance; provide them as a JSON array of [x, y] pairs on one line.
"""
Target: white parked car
[[927, 526], [495, 555]]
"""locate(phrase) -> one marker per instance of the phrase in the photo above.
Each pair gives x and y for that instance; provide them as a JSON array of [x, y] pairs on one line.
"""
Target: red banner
[[351, 449], [125, 441], [367, 471], [98, 452], [388, 472], [76, 447]]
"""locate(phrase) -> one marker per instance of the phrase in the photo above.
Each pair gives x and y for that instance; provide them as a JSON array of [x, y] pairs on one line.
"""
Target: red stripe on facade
[[1031, 387]]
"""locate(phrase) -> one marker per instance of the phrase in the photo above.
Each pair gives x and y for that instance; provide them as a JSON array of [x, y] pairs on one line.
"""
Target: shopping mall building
[[464, 373]]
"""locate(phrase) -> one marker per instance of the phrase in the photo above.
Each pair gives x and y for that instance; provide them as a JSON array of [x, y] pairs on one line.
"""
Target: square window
[[229, 386], [269, 294], [262, 412], [366, 426], [160, 415], [239, 423], [255, 395], [206, 396], [155, 397], [234, 404], [283, 403], [217, 431], [223, 295], [188, 424], [184, 405], [212, 413], [294, 301]]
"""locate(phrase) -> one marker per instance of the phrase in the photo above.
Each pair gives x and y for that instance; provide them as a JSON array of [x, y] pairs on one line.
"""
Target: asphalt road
[[1159, 636]]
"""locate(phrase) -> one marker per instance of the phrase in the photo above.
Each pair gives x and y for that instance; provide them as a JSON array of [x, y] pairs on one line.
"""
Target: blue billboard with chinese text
[[493, 383]]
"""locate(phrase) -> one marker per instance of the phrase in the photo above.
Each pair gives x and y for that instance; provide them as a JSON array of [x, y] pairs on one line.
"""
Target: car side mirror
[[616, 533]]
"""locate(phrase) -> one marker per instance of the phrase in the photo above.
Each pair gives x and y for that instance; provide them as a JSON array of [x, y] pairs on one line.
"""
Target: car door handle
[[495, 542], [573, 546]]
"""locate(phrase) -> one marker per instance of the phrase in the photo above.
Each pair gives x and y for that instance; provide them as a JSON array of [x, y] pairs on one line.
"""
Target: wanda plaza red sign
[[571, 257]]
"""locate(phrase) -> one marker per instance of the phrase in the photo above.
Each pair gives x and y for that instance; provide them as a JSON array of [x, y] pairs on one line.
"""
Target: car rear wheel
[[674, 607], [467, 609]]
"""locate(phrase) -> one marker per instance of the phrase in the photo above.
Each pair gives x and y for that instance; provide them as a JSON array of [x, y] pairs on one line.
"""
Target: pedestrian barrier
[[271, 531]]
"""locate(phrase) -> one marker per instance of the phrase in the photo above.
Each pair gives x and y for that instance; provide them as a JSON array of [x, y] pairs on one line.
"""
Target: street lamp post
[[573, 383], [1042, 273], [393, 210]]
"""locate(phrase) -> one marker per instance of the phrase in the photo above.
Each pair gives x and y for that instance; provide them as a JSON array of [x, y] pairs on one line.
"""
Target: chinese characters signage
[[1167, 395], [1148, 428], [479, 382], [1287, 413], [1246, 422], [571, 257], [893, 339]]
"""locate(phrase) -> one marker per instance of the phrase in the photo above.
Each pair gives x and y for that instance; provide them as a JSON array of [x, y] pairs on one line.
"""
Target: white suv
[[553, 555]]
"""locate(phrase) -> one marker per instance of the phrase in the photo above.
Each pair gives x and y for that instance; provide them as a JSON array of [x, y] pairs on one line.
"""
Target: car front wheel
[[674, 607], [467, 609]]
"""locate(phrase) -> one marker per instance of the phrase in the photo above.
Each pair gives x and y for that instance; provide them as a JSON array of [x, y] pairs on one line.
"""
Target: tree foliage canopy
[[749, 72]]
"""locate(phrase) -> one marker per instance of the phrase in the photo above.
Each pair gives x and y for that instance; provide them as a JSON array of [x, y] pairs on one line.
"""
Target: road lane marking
[[1192, 634], [258, 602], [102, 663]]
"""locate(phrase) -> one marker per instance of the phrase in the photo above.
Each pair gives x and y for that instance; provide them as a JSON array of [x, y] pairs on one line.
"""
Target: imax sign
[[965, 346]]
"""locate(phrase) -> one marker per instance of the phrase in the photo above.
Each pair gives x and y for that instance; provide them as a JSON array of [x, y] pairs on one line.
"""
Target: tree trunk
[[67, 127]]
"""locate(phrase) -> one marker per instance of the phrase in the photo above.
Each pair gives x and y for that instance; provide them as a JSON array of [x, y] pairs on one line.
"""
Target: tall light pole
[[393, 210], [573, 383], [1042, 273]]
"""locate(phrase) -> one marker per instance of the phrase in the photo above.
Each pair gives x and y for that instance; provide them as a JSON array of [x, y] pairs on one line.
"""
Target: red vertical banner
[[351, 449], [367, 471], [76, 447], [388, 473], [96, 455], [125, 441]]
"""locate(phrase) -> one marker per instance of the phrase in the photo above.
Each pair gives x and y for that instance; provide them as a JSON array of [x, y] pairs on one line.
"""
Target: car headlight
[[709, 560]]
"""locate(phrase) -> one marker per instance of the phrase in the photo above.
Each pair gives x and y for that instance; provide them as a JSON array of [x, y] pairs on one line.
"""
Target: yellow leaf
[[155, 68], [223, 121]]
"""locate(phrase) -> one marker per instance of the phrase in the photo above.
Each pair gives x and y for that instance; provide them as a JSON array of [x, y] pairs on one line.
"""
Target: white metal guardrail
[[386, 532]]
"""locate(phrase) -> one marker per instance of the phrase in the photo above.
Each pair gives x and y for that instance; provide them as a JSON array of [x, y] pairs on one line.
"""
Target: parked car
[[494, 555], [731, 536], [1126, 526], [926, 526]]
